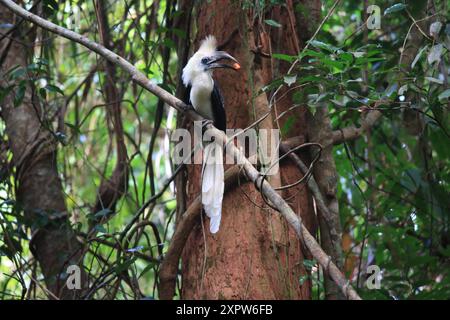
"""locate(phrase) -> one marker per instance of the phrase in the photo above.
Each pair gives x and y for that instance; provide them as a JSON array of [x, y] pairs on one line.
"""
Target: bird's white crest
[[194, 67], [208, 45]]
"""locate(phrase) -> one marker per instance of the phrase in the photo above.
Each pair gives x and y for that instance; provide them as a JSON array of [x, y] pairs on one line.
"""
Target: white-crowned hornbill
[[204, 95]]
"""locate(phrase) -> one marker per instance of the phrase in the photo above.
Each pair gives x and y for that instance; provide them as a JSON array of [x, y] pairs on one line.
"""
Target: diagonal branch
[[252, 174]]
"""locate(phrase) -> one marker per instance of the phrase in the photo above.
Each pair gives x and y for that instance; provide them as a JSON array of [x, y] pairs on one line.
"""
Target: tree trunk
[[254, 255], [39, 189]]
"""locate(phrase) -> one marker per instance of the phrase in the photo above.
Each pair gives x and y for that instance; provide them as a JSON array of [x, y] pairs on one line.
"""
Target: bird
[[203, 93]]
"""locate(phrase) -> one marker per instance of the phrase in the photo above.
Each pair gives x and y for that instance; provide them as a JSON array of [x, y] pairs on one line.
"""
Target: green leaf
[[53, 88], [272, 85], [290, 79], [147, 269], [333, 63], [33, 67], [309, 264], [16, 72], [311, 79], [73, 127], [52, 4], [43, 93], [303, 278], [42, 61], [372, 53], [346, 56], [323, 45], [435, 53], [288, 125], [272, 23], [169, 43], [352, 94], [125, 265], [444, 95], [50, 7], [447, 29], [311, 53], [102, 213], [179, 33], [312, 109], [284, 57], [395, 8], [435, 80], [100, 229], [365, 60], [416, 59]]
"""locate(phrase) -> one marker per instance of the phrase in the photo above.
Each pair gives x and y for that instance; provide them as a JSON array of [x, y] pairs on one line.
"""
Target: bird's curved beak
[[222, 55]]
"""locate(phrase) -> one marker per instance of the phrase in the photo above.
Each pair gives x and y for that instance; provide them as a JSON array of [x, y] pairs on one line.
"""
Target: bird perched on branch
[[204, 95]]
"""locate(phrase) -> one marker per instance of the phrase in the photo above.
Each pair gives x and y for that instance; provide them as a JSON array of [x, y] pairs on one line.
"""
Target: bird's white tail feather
[[213, 184]]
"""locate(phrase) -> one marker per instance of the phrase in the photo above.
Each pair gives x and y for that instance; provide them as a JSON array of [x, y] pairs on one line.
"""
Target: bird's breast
[[201, 97]]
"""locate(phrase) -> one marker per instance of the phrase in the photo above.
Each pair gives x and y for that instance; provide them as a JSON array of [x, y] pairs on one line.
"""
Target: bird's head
[[206, 59]]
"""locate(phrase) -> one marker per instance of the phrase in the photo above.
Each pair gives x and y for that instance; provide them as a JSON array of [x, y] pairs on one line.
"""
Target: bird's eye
[[205, 60]]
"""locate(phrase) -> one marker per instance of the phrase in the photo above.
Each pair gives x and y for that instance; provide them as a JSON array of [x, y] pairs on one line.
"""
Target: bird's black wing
[[217, 104], [187, 95]]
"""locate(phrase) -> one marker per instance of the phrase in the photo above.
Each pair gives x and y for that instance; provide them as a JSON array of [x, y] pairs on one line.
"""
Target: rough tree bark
[[254, 255], [39, 189]]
